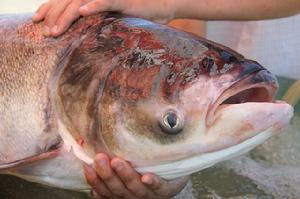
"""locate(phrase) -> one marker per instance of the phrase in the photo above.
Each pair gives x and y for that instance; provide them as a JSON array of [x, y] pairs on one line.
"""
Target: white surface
[[15, 6]]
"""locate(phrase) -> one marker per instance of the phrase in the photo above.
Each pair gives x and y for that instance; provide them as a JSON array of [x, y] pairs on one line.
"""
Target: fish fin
[[52, 152]]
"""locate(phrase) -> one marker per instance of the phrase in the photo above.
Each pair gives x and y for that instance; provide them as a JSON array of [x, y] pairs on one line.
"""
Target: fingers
[[118, 179], [58, 15], [162, 187], [114, 184], [154, 183], [41, 12], [53, 15], [99, 188], [130, 178], [96, 6], [66, 18]]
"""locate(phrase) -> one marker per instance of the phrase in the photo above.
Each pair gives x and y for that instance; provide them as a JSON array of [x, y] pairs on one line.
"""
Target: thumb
[[163, 187]]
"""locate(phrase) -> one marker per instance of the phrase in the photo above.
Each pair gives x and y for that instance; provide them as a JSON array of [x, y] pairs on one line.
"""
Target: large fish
[[167, 101]]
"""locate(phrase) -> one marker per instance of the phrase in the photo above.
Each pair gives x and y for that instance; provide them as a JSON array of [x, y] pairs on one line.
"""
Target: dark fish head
[[167, 101]]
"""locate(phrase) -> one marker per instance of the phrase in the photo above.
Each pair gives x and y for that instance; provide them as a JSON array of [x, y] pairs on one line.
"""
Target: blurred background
[[272, 170]]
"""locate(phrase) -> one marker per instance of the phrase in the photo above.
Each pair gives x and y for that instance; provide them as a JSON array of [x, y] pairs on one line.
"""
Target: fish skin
[[103, 72], [28, 62], [23, 93]]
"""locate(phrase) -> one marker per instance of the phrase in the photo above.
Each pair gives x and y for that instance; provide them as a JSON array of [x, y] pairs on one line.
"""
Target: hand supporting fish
[[120, 180]]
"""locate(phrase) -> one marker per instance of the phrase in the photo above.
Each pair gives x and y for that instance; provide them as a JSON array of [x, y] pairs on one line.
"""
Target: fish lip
[[269, 87]]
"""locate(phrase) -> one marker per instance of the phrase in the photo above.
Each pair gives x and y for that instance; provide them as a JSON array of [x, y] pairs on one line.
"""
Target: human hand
[[116, 179], [58, 15]]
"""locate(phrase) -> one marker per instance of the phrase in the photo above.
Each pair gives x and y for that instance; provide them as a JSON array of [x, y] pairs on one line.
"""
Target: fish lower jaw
[[194, 164]]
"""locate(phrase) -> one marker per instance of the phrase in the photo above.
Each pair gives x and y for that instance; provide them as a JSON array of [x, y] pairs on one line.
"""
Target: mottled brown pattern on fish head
[[110, 58], [81, 84], [124, 64], [147, 70], [148, 66]]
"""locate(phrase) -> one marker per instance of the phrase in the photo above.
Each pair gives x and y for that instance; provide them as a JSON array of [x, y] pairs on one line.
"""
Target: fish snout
[[253, 84]]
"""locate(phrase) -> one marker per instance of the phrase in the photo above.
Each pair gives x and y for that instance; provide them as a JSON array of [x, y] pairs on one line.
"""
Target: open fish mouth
[[259, 87]]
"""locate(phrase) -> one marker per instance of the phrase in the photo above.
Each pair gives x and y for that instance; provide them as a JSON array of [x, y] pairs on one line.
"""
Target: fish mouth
[[258, 87]]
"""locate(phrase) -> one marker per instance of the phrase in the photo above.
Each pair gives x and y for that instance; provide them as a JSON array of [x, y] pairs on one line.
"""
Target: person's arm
[[116, 178], [236, 9], [59, 14], [190, 25]]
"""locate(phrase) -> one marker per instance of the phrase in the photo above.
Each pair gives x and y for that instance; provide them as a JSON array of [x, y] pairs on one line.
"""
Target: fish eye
[[171, 124]]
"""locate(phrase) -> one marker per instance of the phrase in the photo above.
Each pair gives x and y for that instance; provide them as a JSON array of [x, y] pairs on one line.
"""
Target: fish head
[[169, 102]]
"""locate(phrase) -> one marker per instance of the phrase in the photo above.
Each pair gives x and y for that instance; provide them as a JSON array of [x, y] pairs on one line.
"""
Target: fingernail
[[35, 16], [54, 30], [147, 181], [84, 8], [102, 162], [119, 166], [46, 31]]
